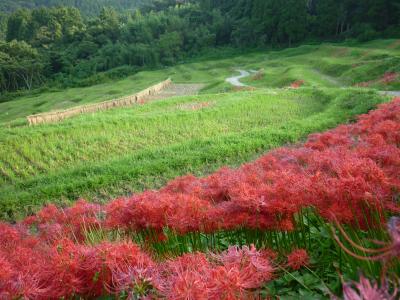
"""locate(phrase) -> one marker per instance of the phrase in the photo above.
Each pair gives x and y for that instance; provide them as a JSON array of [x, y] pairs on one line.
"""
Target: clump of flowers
[[234, 274], [67, 269], [387, 78], [367, 290], [297, 259], [297, 84]]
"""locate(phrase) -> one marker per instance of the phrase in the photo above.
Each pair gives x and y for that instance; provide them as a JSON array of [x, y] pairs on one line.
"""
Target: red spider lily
[[124, 266], [229, 283], [187, 214], [254, 266], [11, 236], [297, 259], [185, 277], [188, 285], [55, 223], [230, 275], [385, 79], [389, 77], [297, 84], [68, 269], [6, 274], [365, 290]]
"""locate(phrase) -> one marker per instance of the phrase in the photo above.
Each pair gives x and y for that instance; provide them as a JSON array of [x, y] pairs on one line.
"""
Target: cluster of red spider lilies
[[349, 176], [297, 84]]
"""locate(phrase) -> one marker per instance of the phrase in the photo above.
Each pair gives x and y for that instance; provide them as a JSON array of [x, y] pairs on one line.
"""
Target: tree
[[17, 25], [292, 21], [3, 26], [20, 66], [164, 31], [169, 46]]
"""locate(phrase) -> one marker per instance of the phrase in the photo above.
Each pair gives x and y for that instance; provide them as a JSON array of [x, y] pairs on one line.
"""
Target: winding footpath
[[235, 80], [390, 93]]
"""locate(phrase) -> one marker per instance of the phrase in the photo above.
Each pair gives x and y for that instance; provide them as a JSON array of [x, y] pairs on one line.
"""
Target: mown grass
[[127, 150], [326, 65]]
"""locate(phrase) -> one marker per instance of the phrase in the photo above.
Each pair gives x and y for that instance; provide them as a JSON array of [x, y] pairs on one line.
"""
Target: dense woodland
[[87, 7], [42, 43]]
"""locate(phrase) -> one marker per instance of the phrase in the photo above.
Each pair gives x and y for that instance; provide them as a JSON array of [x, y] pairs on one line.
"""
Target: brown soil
[[341, 52], [243, 88], [259, 75], [177, 89], [395, 45]]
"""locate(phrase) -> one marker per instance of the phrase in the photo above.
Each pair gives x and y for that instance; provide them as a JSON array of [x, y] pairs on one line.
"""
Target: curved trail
[[235, 80], [390, 93]]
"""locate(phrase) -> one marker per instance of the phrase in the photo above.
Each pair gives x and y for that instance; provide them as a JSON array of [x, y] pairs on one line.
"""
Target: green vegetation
[[57, 46], [325, 65], [87, 7], [58, 99], [333, 65], [126, 150]]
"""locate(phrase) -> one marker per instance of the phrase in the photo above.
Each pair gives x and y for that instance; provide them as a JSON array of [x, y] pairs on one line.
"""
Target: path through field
[[235, 80], [390, 93]]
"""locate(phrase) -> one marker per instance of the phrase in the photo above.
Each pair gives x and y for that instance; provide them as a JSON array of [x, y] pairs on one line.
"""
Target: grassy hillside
[[333, 65], [125, 150], [326, 65]]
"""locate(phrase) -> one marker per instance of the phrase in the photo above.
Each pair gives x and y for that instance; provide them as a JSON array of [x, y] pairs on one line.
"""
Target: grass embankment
[[333, 65], [127, 150], [326, 65]]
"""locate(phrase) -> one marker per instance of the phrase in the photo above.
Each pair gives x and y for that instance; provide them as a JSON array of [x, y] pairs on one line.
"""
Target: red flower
[[297, 84], [297, 259], [367, 290]]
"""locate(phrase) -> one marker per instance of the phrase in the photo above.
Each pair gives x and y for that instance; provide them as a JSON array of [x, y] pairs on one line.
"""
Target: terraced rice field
[[129, 149]]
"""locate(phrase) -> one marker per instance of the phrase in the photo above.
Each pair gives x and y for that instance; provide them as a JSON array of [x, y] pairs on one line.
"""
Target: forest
[[87, 7], [45, 44]]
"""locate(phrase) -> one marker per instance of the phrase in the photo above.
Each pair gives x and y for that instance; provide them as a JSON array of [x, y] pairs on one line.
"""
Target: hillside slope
[[375, 65], [126, 150]]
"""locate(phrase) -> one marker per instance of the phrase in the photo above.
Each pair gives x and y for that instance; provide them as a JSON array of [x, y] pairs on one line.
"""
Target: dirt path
[[235, 80], [390, 93]]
